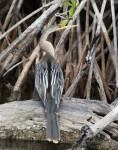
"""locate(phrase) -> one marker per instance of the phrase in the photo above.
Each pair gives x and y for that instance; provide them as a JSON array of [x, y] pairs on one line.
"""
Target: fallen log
[[26, 120]]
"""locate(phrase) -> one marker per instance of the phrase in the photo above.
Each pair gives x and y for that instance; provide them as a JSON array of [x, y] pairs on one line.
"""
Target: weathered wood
[[26, 119], [89, 132]]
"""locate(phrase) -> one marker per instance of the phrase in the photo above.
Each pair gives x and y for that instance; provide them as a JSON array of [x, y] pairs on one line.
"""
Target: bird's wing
[[41, 80], [57, 82]]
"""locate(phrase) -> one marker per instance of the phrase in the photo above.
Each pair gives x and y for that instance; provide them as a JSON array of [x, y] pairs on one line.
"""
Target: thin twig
[[74, 83], [36, 27], [79, 39], [26, 68], [102, 55], [115, 40], [65, 33], [87, 22], [104, 83], [9, 15], [108, 41], [88, 85], [24, 19], [15, 66], [101, 87]]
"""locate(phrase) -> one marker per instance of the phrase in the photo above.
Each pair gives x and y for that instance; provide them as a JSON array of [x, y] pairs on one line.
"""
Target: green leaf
[[63, 23], [74, 2], [71, 12], [67, 3]]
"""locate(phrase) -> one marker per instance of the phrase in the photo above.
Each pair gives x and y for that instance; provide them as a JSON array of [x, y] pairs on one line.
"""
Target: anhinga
[[49, 83]]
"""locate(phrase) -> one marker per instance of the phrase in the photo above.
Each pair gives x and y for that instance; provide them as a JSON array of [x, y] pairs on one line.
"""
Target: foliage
[[73, 5]]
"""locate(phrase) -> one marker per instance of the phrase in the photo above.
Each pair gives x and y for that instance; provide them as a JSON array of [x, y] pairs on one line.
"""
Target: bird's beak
[[65, 27]]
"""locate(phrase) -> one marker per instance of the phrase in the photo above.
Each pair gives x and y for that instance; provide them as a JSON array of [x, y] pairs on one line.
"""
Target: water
[[30, 145]]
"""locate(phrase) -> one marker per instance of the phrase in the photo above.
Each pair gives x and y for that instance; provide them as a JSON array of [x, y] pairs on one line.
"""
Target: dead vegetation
[[19, 48]]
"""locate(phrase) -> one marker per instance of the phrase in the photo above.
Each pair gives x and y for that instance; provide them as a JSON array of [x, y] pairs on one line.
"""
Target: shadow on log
[[26, 120]]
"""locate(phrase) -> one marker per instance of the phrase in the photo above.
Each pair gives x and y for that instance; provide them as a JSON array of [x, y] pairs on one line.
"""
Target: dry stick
[[27, 41], [102, 123], [84, 33], [115, 102], [68, 92], [73, 47], [9, 58], [10, 13], [109, 67], [3, 31], [102, 11], [102, 55], [25, 44], [24, 19], [101, 15], [82, 59], [74, 53], [7, 61], [65, 33], [24, 23], [16, 12], [23, 58], [87, 34], [106, 49], [77, 69], [94, 26], [111, 73], [25, 69], [43, 4], [77, 75], [15, 66], [88, 85], [99, 55], [67, 77], [99, 80], [89, 132], [67, 54], [108, 42], [108, 12], [15, 18], [115, 40], [79, 39], [73, 56], [103, 80], [116, 92], [87, 22], [108, 63], [4, 9], [37, 26], [68, 64]]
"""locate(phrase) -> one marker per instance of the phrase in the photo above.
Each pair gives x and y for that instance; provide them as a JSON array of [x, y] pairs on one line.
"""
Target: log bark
[[26, 120]]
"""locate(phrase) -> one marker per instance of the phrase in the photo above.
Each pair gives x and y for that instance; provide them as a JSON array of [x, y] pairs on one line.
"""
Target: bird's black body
[[49, 84]]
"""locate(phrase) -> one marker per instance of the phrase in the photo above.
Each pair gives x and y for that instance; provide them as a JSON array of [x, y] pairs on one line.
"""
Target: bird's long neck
[[46, 45]]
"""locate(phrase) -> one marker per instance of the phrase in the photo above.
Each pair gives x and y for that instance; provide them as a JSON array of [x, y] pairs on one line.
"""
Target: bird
[[49, 82]]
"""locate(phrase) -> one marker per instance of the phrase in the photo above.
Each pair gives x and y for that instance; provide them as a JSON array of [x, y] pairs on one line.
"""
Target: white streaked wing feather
[[41, 80], [57, 82]]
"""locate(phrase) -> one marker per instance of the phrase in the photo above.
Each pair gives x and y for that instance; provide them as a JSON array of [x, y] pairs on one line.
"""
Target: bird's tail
[[52, 130]]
